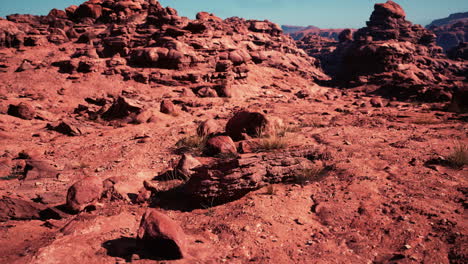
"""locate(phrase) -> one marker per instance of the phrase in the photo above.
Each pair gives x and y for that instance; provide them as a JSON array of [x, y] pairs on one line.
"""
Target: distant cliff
[[451, 31], [298, 32], [453, 18]]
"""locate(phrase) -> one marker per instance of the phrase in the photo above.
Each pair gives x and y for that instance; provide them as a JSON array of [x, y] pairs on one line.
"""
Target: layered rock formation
[[398, 57], [132, 38], [317, 46]]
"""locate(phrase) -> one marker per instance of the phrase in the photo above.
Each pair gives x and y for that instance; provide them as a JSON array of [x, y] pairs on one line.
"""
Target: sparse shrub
[[273, 141], [310, 174], [193, 143], [459, 156]]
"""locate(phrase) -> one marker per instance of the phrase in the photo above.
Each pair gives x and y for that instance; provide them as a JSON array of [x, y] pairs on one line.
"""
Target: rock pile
[[133, 38], [398, 57]]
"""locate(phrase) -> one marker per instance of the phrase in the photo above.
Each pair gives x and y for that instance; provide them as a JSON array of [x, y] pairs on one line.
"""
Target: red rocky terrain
[[131, 134]]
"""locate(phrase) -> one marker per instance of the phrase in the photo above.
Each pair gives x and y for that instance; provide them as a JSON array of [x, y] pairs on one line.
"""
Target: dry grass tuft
[[273, 142], [459, 156], [426, 120], [310, 174], [194, 143]]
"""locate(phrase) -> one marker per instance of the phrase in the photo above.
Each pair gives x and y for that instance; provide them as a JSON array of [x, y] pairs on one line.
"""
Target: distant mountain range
[[450, 31], [298, 32]]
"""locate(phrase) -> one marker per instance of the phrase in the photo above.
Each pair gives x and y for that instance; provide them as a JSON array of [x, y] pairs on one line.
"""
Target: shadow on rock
[[127, 248]]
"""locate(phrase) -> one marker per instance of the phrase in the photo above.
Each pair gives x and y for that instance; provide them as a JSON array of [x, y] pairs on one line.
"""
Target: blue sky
[[321, 13]]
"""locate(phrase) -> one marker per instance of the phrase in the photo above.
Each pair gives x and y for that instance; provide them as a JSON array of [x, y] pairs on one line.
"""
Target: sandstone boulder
[[122, 108], [22, 110], [17, 209], [208, 127], [167, 107], [186, 164], [84, 193], [220, 145], [161, 235]]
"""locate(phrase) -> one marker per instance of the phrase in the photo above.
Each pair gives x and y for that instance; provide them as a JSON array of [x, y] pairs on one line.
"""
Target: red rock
[[65, 128], [38, 169], [389, 9], [56, 13], [459, 101], [220, 145], [17, 209], [167, 107], [22, 110], [71, 10], [84, 193], [208, 127], [88, 10], [10, 35], [208, 17], [345, 35], [225, 180], [25, 66], [161, 235], [251, 123], [376, 102], [207, 92], [186, 164], [122, 108], [459, 52]]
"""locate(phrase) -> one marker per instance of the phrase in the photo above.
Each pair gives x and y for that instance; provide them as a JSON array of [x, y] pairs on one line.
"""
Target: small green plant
[[194, 143], [310, 174], [459, 156]]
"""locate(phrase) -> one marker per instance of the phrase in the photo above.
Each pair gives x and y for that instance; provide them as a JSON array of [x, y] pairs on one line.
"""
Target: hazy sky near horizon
[[321, 13]]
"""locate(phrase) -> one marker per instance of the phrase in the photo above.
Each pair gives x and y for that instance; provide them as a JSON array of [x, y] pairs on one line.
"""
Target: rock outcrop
[[401, 59], [84, 194], [451, 31], [133, 38], [225, 180]]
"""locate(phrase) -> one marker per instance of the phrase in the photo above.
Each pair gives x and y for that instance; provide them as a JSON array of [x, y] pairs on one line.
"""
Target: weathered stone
[[65, 128], [122, 108], [22, 110], [84, 193], [225, 180], [220, 145], [161, 236], [208, 127], [17, 209], [167, 107]]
